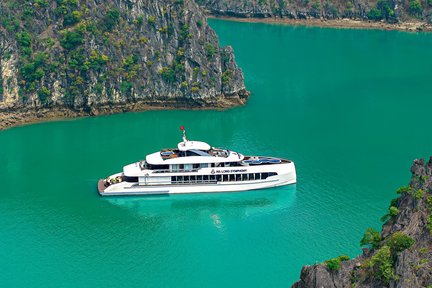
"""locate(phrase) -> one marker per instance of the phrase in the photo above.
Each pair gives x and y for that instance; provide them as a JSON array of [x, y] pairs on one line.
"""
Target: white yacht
[[196, 167]]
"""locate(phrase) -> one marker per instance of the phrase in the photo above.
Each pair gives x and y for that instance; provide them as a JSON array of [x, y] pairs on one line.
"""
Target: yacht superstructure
[[196, 167]]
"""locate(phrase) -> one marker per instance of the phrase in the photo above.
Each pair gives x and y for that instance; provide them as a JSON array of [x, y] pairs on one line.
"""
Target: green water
[[351, 107]]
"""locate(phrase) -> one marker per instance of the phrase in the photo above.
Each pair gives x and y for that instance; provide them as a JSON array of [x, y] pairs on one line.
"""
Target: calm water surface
[[351, 107]]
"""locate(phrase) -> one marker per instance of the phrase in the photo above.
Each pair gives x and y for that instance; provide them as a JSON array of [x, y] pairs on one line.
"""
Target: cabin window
[[188, 167], [186, 178], [181, 166], [213, 177], [244, 177], [231, 177], [251, 176], [130, 179], [158, 167], [175, 167], [196, 166], [264, 175], [257, 176], [199, 178], [225, 178], [205, 178], [204, 165], [212, 165], [218, 178], [193, 178]]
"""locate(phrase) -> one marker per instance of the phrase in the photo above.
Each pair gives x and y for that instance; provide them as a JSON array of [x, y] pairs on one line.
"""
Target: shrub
[[151, 20], [415, 7], [392, 212], [371, 238], [23, 39], [111, 19], [382, 265], [72, 18], [398, 242], [71, 39], [374, 14], [334, 263], [210, 50], [418, 194]]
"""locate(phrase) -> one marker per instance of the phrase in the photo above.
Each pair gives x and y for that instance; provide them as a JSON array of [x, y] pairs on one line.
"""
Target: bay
[[350, 107]]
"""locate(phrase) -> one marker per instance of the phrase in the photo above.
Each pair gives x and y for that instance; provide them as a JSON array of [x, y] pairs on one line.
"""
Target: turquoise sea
[[351, 108]]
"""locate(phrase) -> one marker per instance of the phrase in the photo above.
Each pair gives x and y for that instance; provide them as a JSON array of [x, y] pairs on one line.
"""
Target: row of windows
[[192, 166], [221, 178]]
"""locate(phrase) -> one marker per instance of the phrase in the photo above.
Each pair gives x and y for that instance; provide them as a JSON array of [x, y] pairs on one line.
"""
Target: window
[[199, 178], [225, 178], [218, 178], [193, 179], [257, 176], [130, 179], [205, 178], [213, 177], [238, 177], [231, 177], [245, 177], [264, 175], [196, 166], [251, 176]]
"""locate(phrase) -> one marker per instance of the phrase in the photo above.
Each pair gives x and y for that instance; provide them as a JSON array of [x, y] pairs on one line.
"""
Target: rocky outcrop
[[406, 237], [388, 10], [70, 58]]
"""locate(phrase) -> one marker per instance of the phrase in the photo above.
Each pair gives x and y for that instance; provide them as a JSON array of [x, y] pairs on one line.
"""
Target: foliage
[[72, 18], [429, 218], [398, 242], [374, 14], [334, 263], [392, 212], [168, 74], [383, 9], [403, 189], [210, 50], [227, 76], [381, 265], [110, 20], [415, 7], [371, 238], [71, 39]]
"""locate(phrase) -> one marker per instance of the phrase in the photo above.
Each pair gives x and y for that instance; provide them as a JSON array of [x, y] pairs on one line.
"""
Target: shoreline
[[345, 23], [10, 119]]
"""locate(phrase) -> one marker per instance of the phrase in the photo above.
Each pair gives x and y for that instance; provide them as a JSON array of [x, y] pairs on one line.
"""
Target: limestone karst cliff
[[386, 10], [67, 58], [401, 256]]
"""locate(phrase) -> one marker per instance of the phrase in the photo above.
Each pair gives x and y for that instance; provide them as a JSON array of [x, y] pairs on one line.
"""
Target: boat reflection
[[214, 206]]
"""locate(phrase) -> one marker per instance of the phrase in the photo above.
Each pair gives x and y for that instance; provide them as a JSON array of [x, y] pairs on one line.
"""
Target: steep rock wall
[[409, 263], [388, 10], [67, 58]]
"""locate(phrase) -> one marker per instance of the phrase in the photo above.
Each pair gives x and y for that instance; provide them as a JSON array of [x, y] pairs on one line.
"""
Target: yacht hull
[[130, 188]]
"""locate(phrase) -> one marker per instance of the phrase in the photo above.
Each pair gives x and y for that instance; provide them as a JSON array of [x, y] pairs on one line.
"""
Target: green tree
[[371, 238], [398, 242], [416, 7]]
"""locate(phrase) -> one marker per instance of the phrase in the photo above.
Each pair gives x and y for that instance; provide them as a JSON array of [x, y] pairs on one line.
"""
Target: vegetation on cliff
[[401, 256], [87, 55], [388, 10]]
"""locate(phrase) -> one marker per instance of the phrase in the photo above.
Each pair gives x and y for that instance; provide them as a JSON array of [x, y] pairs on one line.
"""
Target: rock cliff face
[[388, 10], [67, 58], [401, 256]]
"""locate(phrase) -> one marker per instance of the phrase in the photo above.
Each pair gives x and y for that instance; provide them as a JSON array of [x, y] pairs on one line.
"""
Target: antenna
[[184, 133]]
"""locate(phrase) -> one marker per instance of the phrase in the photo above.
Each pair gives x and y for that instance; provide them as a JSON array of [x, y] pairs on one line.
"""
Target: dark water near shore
[[351, 107]]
